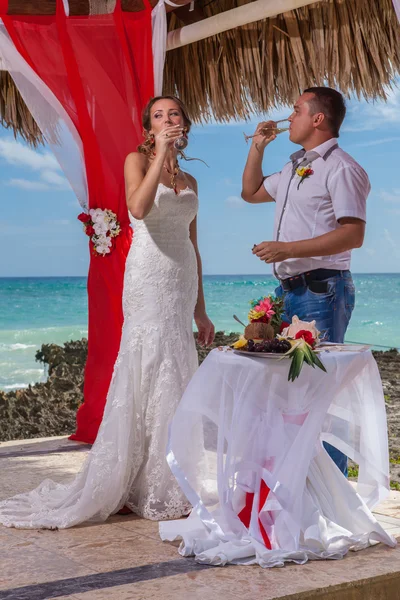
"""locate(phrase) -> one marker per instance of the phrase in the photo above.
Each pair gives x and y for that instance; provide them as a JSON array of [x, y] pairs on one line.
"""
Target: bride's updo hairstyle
[[147, 147]]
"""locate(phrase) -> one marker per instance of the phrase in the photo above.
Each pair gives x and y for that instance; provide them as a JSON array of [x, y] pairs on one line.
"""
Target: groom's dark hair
[[330, 102]]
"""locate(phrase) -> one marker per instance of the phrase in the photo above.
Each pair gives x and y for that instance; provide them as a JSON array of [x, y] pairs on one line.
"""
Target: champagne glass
[[181, 142], [273, 130]]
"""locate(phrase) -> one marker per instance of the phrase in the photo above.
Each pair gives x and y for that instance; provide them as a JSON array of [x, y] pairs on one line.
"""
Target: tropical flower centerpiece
[[265, 321], [266, 333]]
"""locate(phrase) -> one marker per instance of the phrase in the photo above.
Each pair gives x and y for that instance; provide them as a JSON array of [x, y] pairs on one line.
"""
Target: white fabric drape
[[55, 124], [159, 41], [66, 7], [240, 422]]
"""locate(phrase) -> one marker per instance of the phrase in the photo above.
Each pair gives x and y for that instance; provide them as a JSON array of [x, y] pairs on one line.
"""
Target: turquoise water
[[34, 311]]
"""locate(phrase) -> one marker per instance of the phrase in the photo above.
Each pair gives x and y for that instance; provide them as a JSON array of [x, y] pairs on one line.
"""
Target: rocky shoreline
[[49, 409]]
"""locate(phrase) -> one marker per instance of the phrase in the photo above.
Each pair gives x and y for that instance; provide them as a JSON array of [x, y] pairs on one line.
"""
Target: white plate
[[260, 354], [342, 348]]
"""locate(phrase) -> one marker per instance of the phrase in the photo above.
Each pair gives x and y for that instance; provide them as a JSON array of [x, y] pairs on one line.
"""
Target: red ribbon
[[245, 513]]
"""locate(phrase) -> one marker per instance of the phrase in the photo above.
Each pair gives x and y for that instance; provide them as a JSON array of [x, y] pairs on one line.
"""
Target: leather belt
[[302, 280]]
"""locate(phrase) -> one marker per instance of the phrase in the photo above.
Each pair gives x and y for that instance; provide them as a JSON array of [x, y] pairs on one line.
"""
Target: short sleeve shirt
[[308, 208]]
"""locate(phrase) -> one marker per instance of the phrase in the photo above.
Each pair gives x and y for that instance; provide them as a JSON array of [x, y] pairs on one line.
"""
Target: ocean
[[35, 310]]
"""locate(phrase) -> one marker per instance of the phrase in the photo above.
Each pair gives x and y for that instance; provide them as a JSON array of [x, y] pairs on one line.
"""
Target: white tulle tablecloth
[[246, 448]]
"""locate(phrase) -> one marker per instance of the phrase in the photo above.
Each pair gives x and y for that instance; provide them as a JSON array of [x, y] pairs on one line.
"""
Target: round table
[[246, 448]]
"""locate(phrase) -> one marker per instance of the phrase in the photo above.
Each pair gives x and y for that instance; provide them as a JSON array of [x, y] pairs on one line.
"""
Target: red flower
[[89, 230], [84, 218], [306, 335], [263, 319], [283, 326]]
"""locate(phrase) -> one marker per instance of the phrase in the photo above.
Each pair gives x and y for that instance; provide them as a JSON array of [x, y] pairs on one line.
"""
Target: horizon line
[[204, 275]]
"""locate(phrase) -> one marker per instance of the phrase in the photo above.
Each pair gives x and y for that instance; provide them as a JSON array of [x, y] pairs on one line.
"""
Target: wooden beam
[[230, 19], [77, 7]]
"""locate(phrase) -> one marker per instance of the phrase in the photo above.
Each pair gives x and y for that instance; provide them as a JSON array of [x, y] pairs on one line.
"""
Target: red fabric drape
[[100, 69]]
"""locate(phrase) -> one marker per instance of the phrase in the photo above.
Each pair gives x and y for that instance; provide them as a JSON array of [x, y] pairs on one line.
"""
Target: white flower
[[100, 228], [102, 249], [104, 222], [96, 214]]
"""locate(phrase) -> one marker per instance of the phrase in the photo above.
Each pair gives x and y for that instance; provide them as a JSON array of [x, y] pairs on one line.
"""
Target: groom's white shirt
[[338, 188]]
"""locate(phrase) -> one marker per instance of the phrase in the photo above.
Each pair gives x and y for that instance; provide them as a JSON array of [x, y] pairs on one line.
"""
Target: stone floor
[[124, 559]]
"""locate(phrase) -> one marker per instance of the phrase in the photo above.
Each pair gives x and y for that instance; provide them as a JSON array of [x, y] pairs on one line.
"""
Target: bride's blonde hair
[[147, 147]]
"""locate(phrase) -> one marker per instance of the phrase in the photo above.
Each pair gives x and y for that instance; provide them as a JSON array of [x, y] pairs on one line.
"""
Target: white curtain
[[54, 122], [159, 40]]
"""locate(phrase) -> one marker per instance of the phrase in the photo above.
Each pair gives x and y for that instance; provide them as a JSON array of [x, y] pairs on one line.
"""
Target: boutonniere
[[303, 173]]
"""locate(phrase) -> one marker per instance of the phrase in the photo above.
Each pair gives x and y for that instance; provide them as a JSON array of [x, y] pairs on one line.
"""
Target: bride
[[157, 358]]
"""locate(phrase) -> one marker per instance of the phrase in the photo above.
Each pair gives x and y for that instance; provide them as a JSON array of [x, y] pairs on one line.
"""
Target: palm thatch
[[353, 45], [14, 113]]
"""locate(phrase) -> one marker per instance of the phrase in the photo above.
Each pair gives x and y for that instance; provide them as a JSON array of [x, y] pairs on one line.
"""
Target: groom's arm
[[349, 235], [253, 189]]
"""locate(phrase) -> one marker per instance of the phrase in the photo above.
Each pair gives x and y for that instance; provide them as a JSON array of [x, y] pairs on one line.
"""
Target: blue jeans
[[331, 311]]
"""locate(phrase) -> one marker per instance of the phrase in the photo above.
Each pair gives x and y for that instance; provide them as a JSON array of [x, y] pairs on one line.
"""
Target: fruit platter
[[267, 335]]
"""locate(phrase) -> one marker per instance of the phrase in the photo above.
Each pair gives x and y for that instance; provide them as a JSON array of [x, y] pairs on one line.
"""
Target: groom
[[319, 218]]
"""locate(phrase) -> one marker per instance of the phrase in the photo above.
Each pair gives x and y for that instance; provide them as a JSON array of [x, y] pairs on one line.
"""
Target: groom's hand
[[264, 134], [271, 252]]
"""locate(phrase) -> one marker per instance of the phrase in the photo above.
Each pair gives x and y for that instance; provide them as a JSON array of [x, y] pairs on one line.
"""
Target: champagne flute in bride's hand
[[182, 142], [269, 130]]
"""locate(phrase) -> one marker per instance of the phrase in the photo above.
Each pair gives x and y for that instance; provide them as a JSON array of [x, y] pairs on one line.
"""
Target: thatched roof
[[350, 44], [353, 45]]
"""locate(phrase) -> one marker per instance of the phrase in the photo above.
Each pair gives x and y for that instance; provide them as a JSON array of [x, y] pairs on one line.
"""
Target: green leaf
[[296, 364], [318, 362]]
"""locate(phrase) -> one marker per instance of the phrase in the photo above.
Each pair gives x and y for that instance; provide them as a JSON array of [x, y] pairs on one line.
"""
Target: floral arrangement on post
[[102, 227]]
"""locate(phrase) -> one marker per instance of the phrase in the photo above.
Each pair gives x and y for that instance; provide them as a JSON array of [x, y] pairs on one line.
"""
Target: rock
[[47, 409]]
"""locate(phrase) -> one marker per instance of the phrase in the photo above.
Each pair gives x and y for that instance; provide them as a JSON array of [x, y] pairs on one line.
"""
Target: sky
[[40, 235]]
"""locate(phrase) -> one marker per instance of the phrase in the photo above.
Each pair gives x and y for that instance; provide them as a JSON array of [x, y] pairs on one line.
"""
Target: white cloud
[[15, 153], [27, 184], [368, 116], [55, 179], [234, 201], [43, 163], [393, 197], [391, 242], [376, 142]]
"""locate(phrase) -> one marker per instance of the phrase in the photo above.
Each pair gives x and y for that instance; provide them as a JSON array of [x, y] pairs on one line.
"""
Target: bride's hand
[[165, 139], [206, 330]]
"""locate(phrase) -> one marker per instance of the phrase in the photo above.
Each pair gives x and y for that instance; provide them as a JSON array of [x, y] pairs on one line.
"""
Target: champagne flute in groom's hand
[[272, 130]]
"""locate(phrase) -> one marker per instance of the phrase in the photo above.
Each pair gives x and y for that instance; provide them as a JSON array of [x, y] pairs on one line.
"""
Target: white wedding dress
[[157, 358]]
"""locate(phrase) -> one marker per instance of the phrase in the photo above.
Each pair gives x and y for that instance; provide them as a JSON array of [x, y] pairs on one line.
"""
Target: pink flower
[[266, 306]]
